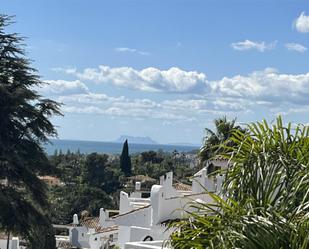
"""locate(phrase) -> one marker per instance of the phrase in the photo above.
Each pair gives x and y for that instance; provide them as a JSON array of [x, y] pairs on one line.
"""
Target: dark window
[[146, 195], [210, 169]]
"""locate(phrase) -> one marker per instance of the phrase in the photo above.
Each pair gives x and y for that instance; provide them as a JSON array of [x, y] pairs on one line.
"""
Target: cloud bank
[[149, 79], [277, 92]]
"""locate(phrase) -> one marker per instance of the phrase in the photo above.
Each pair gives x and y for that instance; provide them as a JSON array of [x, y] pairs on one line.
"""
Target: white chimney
[[162, 180], [137, 186], [168, 181], [102, 217], [75, 219]]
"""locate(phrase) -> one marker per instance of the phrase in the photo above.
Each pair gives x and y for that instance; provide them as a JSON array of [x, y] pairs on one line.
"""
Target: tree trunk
[[8, 241]]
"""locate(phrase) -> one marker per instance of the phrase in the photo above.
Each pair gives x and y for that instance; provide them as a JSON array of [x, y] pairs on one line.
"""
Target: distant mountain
[[135, 140]]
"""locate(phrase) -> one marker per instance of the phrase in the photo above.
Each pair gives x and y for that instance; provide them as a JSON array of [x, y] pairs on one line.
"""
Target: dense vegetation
[[24, 126], [266, 201]]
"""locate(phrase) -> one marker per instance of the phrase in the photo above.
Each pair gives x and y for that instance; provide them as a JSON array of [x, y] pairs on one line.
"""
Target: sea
[[110, 147]]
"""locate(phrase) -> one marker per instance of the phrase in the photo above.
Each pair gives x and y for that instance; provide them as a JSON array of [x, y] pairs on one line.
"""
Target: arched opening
[[148, 238]]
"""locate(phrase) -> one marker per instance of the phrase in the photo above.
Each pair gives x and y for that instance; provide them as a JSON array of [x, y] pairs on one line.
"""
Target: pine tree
[[24, 127], [125, 160]]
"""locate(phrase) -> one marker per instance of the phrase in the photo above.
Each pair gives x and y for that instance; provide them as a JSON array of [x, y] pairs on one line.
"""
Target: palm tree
[[24, 127], [266, 197], [213, 139]]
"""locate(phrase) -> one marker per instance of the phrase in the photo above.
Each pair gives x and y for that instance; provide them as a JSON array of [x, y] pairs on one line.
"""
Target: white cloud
[[302, 23], [69, 70], [268, 89], [296, 47], [131, 50], [112, 106], [185, 109], [62, 87], [149, 79], [267, 85], [248, 45]]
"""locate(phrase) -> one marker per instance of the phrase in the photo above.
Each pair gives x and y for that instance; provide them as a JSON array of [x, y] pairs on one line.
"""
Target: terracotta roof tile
[[182, 187], [90, 222], [64, 245], [132, 211], [94, 223]]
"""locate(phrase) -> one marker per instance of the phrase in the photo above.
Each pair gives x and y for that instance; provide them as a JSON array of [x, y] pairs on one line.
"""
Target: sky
[[166, 68]]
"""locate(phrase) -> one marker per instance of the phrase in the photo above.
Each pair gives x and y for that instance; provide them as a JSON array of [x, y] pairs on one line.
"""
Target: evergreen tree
[[24, 127], [125, 160]]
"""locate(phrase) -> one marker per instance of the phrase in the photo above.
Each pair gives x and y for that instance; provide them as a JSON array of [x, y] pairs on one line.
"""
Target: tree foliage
[[24, 126], [125, 160], [266, 199], [100, 173], [90, 182], [214, 140]]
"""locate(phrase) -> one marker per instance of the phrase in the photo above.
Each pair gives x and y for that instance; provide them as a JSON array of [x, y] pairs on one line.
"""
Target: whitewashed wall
[[14, 243], [79, 237]]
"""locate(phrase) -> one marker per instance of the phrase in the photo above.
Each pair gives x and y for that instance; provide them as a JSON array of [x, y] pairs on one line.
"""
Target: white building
[[142, 219], [13, 242], [93, 232], [140, 222]]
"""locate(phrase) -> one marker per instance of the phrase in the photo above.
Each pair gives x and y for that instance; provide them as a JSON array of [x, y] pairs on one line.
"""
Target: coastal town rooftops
[[94, 223]]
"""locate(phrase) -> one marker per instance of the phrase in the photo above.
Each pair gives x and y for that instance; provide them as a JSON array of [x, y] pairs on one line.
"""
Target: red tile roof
[[94, 223], [182, 187], [132, 211]]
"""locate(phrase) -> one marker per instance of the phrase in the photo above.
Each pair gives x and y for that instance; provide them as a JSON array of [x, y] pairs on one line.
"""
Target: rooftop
[[94, 223], [182, 187]]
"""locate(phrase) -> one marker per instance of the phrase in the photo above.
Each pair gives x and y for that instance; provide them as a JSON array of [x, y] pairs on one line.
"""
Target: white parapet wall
[[158, 244], [13, 244]]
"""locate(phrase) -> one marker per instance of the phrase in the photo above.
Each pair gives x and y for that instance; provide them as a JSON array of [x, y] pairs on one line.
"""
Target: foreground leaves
[[264, 203]]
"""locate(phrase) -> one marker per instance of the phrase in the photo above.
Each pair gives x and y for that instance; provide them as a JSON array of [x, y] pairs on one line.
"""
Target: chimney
[[102, 217], [75, 220], [162, 180], [169, 179], [137, 186]]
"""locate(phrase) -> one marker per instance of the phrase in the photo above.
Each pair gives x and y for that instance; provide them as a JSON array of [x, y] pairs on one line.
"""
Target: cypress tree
[[125, 160]]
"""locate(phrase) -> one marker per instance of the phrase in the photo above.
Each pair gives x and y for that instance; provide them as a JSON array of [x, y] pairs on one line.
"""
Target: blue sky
[[166, 69]]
